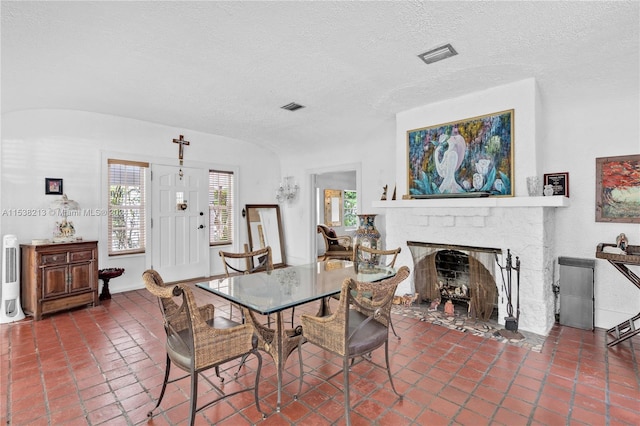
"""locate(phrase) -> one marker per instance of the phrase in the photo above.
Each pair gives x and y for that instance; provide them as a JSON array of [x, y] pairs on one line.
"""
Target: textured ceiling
[[226, 68]]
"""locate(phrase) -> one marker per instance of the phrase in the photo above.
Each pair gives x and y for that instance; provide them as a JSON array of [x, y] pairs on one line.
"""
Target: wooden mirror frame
[[329, 196], [263, 234]]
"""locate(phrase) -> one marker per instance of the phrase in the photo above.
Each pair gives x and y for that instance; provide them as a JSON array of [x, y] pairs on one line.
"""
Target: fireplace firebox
[[457, 273]]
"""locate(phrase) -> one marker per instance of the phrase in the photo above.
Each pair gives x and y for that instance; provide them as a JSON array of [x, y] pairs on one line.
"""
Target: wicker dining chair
[[197, 340], [364, 255], [247, 262], [358, 326], [368, 255]]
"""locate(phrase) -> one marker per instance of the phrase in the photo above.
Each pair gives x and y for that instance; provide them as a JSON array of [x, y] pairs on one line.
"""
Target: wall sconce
[[287, 190]]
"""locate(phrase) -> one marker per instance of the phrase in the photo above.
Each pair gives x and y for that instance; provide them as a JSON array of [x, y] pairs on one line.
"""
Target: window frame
[[141, 207]]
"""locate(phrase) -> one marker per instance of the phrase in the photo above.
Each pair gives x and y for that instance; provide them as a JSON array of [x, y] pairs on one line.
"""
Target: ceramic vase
[[548, 190], [367, 235], [533, 186]]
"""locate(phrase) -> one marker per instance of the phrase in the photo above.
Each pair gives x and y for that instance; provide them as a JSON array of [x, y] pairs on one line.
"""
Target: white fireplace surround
[[525, 225]]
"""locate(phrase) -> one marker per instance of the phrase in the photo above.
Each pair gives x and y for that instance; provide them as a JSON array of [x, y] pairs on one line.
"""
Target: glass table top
[[269, 292]]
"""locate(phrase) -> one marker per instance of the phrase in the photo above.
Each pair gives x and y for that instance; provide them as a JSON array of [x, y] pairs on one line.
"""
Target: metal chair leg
[[386, 357], [295, 397], [194, 398], [257, 383], [167, 370], [394, 329], [347, 402], [242, 361]]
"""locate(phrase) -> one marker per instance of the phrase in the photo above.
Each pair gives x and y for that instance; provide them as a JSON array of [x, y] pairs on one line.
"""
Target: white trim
[[554, 201]]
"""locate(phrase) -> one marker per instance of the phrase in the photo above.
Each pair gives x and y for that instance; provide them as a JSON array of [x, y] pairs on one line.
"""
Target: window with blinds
[[127, 199], [220, 207]]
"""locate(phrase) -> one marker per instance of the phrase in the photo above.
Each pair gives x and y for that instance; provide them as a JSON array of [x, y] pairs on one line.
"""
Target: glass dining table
[[278, 290]]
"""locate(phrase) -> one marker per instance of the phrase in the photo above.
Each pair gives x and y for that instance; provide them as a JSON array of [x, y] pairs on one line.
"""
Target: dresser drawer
[[76, 256], [53, 259]]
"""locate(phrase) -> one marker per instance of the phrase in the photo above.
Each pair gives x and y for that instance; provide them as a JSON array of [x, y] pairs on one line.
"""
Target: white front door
[[180, 227]]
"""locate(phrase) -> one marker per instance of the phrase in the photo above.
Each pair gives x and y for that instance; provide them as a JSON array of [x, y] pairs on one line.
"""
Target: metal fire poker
[[511, 321]]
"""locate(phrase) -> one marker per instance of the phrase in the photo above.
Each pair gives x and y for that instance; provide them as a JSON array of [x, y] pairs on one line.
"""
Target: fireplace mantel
[[555, 201]]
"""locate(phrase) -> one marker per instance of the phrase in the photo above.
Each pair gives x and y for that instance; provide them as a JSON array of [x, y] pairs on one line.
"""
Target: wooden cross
[[182, 143]]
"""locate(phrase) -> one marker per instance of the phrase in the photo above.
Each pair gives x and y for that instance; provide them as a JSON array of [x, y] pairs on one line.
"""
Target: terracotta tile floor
[[104, 365]]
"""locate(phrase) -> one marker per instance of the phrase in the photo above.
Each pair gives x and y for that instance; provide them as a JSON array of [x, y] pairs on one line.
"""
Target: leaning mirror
[[333, 207], [265, 229]]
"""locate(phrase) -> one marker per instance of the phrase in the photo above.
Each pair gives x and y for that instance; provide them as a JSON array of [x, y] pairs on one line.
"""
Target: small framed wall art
[[559, 182], [53, 186]]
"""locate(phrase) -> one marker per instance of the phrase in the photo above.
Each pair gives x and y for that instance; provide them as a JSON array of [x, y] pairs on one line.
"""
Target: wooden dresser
[[59, 276]]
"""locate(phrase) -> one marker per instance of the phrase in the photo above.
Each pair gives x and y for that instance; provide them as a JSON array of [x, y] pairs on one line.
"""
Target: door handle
[[201, 227]]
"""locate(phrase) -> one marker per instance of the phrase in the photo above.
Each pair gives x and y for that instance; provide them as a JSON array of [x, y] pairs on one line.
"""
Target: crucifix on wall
[[181, 143]]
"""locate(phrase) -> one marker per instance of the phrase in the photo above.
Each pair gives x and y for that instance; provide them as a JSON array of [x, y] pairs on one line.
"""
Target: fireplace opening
[[452, 268], [458, 274]]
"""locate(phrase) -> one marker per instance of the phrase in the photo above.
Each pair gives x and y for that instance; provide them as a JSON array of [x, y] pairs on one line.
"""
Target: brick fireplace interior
[[462, 274]]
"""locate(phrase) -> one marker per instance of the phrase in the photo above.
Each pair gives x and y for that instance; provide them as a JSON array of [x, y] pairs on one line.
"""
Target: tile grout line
[[543, 382], [75, 381], [102, 371], [137, 320], [485, 374]]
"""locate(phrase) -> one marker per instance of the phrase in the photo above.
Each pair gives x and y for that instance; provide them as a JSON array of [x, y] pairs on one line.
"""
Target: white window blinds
[[127, 198], [220, 207]]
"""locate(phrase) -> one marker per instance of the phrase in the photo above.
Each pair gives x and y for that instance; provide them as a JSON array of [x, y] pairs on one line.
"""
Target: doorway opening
[[346, 181]]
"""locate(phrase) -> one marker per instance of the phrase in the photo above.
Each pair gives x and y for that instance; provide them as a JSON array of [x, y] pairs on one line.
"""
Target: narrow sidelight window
[[220, 207], [127, 200]]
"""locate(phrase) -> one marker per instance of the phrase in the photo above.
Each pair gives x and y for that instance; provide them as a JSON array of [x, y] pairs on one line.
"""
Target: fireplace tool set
[[510, 321]]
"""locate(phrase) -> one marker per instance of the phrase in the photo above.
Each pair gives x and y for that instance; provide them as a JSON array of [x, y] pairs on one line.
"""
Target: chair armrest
[[216, 345], [166, 292], [207, 312], [326, 331]]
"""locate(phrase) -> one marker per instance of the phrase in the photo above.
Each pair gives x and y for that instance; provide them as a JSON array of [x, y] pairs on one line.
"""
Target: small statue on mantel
[[384, 193], [622, 243]]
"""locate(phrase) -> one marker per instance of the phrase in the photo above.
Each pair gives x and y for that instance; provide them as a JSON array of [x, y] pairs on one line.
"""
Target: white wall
[[577, 132], [519, 96], [73, 145]]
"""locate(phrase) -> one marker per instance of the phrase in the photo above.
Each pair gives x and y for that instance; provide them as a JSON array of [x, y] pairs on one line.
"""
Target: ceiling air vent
[[438, 54], [292, 106]]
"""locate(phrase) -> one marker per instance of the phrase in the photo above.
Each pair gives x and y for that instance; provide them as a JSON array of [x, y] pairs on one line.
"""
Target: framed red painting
[[618, 189]]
